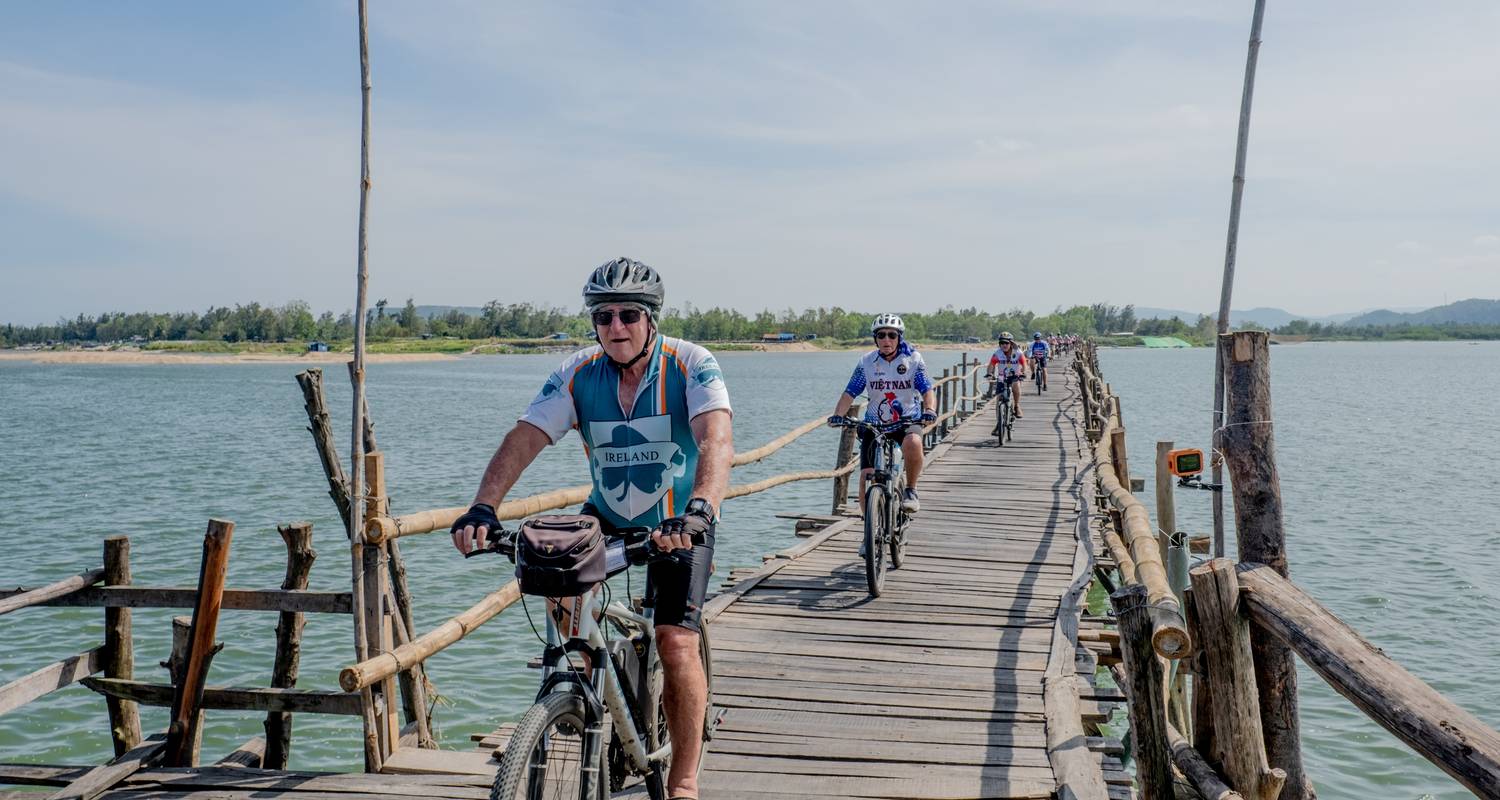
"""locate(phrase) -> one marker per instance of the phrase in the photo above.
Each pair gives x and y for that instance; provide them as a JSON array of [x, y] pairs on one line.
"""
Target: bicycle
[[1005, 417], [587, 733], [885, 522], [1039, 374]]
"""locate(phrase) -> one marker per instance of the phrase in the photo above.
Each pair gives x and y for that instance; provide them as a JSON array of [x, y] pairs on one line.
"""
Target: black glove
[[479, 516], [928, 416], [695, 526], [836, 421]]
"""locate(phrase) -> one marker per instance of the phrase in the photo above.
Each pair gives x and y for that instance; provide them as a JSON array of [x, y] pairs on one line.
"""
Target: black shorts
[[867, 442], [678, 585]]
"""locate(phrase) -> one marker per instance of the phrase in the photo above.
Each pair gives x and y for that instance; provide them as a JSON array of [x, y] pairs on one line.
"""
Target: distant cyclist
[[896, 378], [1041, 352], [1007, 368], [654, 417]]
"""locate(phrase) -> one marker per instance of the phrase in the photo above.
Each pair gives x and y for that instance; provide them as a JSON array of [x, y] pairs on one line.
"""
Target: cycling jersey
[[643, 463], [1009, 364], [1039, 349], [895, 386]]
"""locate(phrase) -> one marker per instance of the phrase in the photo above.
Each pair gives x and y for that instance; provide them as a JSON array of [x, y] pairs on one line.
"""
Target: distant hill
[[1473, 311], [1267, 316]]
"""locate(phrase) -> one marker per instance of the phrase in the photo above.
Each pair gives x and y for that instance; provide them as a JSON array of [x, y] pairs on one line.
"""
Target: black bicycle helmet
[[624, 280]]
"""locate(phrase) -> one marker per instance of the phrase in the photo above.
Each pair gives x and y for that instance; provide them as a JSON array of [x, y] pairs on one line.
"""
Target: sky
[[762, 154]]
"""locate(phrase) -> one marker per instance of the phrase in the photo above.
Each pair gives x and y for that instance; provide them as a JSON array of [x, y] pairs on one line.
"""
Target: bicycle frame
[[584, 634]]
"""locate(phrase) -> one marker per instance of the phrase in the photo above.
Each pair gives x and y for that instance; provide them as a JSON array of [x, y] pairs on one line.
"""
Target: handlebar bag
[[560, 555]]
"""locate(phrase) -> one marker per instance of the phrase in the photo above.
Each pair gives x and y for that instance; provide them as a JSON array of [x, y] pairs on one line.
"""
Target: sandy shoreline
[[157, 357]]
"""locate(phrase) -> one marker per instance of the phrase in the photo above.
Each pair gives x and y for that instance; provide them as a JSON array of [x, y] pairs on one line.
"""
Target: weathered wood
[[100, 779], [1067, 747], [1202, 688], [299, 560], [181, 750], [1148, 712], [241, 698], [368, 672], [308, 602], [321, 428], [250, 754], [1197, 770], [1249, 447], [119, 653], [1238, 740], [50, 678], [1166, 504], [176, 664], [1448, 736], [40, 595]]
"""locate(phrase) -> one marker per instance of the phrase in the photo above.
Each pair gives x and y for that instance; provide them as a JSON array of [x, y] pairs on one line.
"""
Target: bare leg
[[864, 478], [686, 697], [911, 449], [1015, 396]]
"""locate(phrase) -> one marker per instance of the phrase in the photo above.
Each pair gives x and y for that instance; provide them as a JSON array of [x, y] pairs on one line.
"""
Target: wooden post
[[299, 561], [1148, 712], [176, 664], [1117, 455], [847, 440], [321, 427], [119, 652], [1166, 505], [1202, 689], [944, 392], [186, 700], [1239, 743], [1250, 452], [377, 589]]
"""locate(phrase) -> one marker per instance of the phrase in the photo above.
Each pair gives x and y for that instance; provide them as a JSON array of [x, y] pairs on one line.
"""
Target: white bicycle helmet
[[888, 321]]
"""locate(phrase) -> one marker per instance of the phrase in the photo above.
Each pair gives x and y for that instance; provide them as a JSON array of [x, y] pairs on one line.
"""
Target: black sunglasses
[[887, 335], [628, 316]]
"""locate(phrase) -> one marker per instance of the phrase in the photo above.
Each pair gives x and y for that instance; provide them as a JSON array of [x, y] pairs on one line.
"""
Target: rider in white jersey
[[1009, 364], [895, 376], [1041, 353]]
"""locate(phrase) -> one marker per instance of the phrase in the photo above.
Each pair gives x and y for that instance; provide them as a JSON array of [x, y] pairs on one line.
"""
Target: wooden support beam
[[1202, 689], [308, 602], [119, 652], [99, 780], [181, 750], [847, 440], [237, 698], [299, 560], [1148, 708], [50, 678], [40, 595], [251, 754], [321, 428], [1238, 740], [385, 665], [1249, 447], [1451, 738]]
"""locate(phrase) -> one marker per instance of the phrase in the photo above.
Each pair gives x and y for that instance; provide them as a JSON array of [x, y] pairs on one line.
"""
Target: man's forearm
[[843, 405], [929, 400], [715, 434], [514, 455]]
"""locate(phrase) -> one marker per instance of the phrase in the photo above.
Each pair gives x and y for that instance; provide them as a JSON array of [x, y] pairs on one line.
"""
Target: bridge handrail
[[1139, 549]]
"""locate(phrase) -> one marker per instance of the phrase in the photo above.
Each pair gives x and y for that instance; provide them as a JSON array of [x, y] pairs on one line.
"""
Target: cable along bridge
[[977, 673]]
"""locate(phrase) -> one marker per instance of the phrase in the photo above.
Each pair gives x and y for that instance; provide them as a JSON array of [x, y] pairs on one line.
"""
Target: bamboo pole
[[119, 652], [1250, 452], [1231, 248], [374, 755], [364, 674], [51, 591], [299, 560], [182, 736]]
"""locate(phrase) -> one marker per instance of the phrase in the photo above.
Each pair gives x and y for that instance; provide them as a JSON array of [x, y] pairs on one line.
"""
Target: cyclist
[[1009, 364], [654, 417], [895, 376], [1040, 353]]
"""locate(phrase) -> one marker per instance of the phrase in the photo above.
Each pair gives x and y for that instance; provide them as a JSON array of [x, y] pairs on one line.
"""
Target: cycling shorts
[[680, 584], [867, 443]]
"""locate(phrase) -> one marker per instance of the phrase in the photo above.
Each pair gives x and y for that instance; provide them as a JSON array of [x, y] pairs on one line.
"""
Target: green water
[[1391, 518]]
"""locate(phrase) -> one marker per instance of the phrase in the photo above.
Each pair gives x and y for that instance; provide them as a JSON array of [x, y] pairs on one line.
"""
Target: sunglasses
[[887, 335], [628, 316]]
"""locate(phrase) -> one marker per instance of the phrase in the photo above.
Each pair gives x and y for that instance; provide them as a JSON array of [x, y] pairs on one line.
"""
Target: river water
[[1390, 516]]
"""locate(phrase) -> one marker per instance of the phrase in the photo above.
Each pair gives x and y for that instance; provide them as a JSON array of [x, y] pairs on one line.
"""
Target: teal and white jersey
[[642, 464]]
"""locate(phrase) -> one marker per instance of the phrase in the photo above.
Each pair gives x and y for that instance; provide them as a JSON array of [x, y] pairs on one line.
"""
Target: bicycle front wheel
[[1001, 419], [875, 537], [546, 759]]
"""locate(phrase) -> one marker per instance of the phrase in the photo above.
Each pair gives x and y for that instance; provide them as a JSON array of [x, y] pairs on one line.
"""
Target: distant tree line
[[295, 322]]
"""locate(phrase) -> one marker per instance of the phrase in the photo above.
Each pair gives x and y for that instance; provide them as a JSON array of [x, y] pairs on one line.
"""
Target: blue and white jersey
[[1039, 349], [642, 463], [895, 387]]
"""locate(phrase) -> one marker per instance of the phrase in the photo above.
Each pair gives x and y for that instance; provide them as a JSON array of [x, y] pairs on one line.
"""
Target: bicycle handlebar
[[878, 427], [637, 553]]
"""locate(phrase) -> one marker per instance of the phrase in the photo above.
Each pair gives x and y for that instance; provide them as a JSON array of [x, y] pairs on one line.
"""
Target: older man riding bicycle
[[654, 417]]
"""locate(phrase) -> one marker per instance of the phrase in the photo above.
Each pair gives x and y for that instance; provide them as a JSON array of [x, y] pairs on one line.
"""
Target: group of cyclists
[[656, 423]]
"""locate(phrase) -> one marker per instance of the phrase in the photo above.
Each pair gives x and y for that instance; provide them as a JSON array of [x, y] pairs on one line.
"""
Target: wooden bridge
[[973, 675]]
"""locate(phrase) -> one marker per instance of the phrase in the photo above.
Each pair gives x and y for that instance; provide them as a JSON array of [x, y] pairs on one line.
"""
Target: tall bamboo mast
[[357, 490], [1227, 287]]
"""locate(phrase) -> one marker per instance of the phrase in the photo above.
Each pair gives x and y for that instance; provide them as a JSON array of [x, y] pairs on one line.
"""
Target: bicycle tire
[[875, 520], [898, 533], [1037, 377], [513, 778], [1000, 420]]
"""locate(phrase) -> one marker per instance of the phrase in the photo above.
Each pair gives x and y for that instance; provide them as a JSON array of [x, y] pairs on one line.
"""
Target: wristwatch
[[702, 508]]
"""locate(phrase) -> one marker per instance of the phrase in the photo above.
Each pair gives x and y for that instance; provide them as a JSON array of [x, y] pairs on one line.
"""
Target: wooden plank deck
[[965, 679]]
